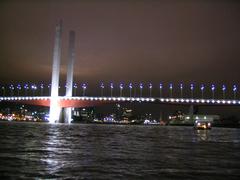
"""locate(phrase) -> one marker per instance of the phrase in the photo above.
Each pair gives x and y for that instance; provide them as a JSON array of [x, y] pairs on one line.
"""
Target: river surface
[[89, 151]]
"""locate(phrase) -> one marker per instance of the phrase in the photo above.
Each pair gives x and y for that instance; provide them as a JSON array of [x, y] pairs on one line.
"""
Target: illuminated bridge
[[48, 95], [64, 101]]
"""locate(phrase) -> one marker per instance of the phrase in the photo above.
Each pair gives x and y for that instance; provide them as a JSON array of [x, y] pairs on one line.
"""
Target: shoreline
[[131, 124]]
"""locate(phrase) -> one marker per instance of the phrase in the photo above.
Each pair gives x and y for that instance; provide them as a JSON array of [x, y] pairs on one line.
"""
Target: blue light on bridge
[[19, 87], [150, 89], [150, 86], [234, 88], [160, 85], [121, 89], [130, 85], [141, 87], [170, 88], [11, 87], [191, 87], [223, 88], [121, 86], [160, 89], [111, 85], [213, 87], [75, 86], [33, 87], [131, 89], [84, 87], [181, 86], [213, 90], [102, 85], [181, 90]]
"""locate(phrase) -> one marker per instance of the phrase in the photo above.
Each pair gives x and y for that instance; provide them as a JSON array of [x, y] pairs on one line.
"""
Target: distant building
[[127, 114], [180, 118], [83, 114]]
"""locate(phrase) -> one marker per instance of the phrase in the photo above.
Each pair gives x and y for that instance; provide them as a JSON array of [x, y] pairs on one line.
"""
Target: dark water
[[80, 151]]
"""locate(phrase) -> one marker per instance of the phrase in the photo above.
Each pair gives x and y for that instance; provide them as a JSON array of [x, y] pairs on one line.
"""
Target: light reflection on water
[[84, 151], [203, 135]]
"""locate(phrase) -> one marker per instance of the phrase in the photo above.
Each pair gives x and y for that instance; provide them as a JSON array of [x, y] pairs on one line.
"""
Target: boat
[[150, 122], [202, 125]]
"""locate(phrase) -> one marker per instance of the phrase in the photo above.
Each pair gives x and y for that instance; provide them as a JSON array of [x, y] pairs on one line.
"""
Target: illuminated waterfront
[[88, 151]]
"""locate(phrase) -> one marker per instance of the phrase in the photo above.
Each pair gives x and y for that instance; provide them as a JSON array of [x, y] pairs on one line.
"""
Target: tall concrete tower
[[69, 83], [54, 106]]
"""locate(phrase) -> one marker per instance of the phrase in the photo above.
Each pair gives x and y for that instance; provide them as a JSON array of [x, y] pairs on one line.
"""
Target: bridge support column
[[55, 109], [192, 110], [71, 57]]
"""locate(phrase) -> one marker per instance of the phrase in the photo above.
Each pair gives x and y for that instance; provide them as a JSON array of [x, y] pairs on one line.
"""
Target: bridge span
[[85, 101]]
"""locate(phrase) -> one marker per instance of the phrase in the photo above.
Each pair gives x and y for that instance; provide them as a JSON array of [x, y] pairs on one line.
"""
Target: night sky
[[120, 40]]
